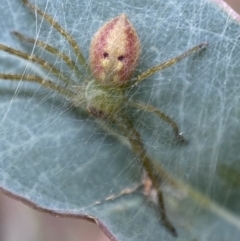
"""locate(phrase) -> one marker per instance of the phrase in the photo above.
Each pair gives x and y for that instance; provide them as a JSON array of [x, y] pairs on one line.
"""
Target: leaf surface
[[63, 162]]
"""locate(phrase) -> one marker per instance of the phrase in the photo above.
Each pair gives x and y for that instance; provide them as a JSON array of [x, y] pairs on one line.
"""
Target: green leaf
[[60, 161]]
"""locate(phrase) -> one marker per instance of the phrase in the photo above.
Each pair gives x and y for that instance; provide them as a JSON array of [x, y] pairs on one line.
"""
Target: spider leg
[[126, 126], [163, 214], [160, 114], [72, 65], [168, 63], [44, 82], [44, 64], [61, 30]]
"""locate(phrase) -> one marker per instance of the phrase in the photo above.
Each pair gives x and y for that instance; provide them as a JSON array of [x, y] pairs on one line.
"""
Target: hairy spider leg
[[67, 93], [160, 114], [44, 82], [61, 30], [137, 146], [45, 65], [72, 65], [152, 71], [167, 63]]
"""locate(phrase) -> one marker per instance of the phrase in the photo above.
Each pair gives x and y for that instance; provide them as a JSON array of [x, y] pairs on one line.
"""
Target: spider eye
[[121, 57], [105, 54]]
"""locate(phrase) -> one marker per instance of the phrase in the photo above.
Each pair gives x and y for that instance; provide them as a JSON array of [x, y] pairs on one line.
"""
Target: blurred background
[[19, 222], [235, 4]]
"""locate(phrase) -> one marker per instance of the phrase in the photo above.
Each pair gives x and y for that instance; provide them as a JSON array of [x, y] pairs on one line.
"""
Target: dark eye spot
[[105, 54], [96, 112], [121, 57]]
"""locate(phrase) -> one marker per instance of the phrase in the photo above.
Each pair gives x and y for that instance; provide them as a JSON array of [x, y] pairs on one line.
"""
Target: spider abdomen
[[114, 52]]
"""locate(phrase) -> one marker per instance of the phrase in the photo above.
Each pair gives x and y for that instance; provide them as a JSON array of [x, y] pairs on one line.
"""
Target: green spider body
[[103, 100]]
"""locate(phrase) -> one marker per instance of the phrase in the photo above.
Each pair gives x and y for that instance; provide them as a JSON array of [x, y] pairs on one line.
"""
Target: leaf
[[61, 162], [230, 175]]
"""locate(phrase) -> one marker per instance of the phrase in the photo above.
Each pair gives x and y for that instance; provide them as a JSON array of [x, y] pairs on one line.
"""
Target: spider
[[114, 55]]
